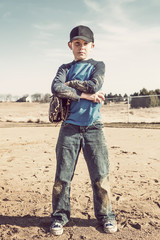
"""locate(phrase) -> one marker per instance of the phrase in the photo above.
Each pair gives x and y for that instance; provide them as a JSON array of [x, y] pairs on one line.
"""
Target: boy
[[81, 81]]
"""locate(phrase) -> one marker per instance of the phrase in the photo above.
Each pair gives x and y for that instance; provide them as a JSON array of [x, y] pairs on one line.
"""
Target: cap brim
[[83, 38]]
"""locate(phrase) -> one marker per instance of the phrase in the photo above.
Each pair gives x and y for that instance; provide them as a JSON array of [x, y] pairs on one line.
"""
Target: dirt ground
[[27, 156]]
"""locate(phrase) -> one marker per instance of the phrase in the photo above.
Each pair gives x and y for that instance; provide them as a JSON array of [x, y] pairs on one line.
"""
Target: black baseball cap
[[82, 32]]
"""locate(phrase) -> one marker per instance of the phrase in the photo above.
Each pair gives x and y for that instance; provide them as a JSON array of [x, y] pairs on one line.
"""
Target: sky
[[34, 37]]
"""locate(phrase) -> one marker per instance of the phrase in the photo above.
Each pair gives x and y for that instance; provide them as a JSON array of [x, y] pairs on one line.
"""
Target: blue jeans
[[91, 140]]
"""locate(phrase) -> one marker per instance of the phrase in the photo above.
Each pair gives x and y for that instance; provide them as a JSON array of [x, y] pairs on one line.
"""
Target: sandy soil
[[27, 169]]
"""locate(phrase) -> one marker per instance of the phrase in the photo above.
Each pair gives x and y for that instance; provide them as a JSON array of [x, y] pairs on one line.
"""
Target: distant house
[[24, 99], [28, 99]]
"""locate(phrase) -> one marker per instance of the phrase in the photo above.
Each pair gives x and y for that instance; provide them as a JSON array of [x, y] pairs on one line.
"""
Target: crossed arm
[[97, 97], [77, 89]]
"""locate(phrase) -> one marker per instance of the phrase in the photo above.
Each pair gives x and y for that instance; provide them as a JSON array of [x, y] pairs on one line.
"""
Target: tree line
[[36, 97]]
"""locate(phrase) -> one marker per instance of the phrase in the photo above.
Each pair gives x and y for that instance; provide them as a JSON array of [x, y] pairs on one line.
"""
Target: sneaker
[[56, 228], [110, 227]]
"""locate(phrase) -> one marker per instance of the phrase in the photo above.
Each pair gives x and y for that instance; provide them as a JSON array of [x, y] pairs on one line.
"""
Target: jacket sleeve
[[94, 84], [59, 88]]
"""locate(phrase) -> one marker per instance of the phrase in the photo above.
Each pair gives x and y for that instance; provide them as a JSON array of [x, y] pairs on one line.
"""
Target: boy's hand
[[96, 97]]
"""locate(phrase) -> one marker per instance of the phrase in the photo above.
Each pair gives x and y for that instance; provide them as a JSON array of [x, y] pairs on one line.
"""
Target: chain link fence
[[132, 109]]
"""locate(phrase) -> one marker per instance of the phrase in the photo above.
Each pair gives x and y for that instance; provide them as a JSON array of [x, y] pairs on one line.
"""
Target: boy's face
[[80, 49]]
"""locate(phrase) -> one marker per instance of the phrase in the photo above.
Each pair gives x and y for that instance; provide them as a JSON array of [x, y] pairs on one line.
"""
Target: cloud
[[44, 34], [130, 36], [40, 39], [125, 12], [47, 27], [124, 22], [92, 5], [108, 9], [6, 15], [55, 53], [112, 29], [156, 2]]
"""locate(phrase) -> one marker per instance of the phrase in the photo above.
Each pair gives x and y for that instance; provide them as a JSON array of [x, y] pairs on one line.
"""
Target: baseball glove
[[58, 109]]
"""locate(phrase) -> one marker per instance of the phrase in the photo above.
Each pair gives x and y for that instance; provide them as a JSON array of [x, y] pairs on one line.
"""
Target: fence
[[111, 112], [123, 111]]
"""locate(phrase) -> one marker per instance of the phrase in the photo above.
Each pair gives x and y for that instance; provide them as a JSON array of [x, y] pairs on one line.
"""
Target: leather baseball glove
[[58, 109]]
